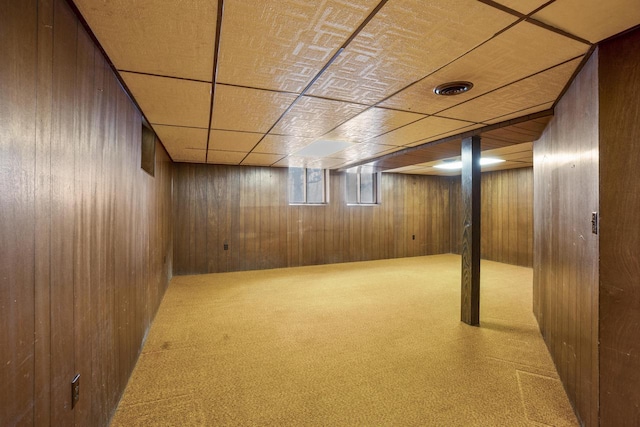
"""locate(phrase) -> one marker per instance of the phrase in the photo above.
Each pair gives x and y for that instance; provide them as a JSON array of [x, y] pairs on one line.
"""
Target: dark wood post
[[470, 307]]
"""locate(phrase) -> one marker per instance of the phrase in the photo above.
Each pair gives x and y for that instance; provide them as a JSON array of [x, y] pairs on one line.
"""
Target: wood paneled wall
[[247, 208], [565, 250], [619, 70], [86, 237], [507, 216]]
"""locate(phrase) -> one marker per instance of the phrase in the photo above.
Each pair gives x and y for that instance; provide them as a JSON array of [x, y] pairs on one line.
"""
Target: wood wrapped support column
[[470, 307]]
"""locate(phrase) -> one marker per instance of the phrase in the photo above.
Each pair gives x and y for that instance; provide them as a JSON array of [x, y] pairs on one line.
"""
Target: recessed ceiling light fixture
[[449, 165], [453, 88]]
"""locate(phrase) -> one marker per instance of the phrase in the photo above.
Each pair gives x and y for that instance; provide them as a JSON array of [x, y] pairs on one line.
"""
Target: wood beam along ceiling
[[252, 82]]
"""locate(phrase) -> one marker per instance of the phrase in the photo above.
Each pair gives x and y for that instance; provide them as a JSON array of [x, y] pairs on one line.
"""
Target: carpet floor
[[373, 343]]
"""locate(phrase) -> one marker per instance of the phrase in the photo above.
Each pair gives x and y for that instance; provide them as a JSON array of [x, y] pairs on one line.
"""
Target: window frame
[[325, 187], [377, 190]]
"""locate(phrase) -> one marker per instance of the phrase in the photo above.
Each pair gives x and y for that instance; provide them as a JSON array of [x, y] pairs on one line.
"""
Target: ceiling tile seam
[[408, 145], [113, 68], [507, 84], [281, 159], [235, 131], [214, 72], [479, 131], [415, 121], [384, 133], [323, 69], [539, 8], [141, 73], [503, 8], [283, 92], [448, 63], [397, 154], [400, 110], [295, 101], [486, 122], [558, 31], [326, 98], [177, 126]]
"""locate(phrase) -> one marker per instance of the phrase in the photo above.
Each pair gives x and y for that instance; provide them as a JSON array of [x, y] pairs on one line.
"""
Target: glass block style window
[[308, 186], [363, 186]]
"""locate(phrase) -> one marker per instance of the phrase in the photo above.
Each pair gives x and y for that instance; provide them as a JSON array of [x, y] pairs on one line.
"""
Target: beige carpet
[[361, 344]]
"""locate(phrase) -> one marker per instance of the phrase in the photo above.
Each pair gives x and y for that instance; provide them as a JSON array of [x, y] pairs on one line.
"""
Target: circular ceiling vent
[[453, 88]]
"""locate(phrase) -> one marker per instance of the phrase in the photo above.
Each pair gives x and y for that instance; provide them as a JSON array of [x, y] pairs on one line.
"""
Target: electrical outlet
[[413, 237], [226, 247], [75, 390]]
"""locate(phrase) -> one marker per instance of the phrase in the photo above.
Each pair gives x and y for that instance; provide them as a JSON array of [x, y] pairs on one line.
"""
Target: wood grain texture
[[507, 216], [565, 250], [247, 208], [86, 234], [471, 223], [619, 330], [18, 41], [42, 378]]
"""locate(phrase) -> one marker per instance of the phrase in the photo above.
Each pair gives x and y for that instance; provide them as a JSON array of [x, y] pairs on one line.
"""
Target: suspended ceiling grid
[[284, 74]]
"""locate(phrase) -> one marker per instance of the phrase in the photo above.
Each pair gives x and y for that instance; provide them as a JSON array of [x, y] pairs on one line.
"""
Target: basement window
[[148, 150], [308, 186], [363, 186]]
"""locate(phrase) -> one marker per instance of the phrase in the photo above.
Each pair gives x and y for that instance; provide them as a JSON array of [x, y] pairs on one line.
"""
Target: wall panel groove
[[566, 252], [247, 207], [507, 216], [86, 234]]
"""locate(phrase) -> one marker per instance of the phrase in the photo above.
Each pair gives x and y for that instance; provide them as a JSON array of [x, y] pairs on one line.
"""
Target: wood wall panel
[[566, 252], [42, 347], [619, 330], [18, 38], [507, 216], [86, 234], [247, 208]]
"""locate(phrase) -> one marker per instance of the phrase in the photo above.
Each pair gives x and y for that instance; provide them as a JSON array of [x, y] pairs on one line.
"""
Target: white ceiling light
[[458, 164], [321, 148], [449, 165], [489, 161]]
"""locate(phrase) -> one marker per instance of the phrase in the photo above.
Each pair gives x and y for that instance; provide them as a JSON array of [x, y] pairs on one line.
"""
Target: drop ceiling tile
[[233, 141], [246, 109], [291, 162], [518, 52], [593, 20], [306, 162], [371, 123], [181, 137], [169, 101], [225, 157], [260, 159], [176, 138], [325, 163], [313, 117], [364, 151], [516, 99], [405, 41], [280, 144], [188, 155], [521, 113], [162, 37], [282, 45], [447, 134], [419, 131], [522, 6]]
